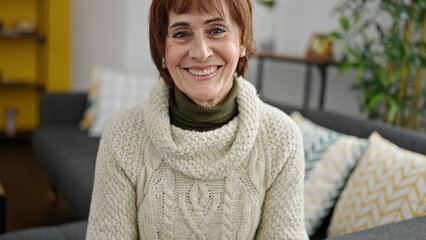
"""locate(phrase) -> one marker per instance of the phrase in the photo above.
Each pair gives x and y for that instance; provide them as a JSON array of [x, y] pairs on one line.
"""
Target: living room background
[[116, 33]]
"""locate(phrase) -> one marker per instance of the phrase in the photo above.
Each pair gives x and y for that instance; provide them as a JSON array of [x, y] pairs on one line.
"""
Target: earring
[[243, 54], [164, 63]]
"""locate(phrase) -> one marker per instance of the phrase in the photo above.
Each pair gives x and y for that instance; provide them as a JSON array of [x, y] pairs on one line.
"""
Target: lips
[[203, 71]]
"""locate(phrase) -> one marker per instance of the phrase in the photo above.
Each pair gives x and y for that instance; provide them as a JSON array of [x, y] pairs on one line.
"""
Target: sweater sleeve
[[283, 208], [113, 207]]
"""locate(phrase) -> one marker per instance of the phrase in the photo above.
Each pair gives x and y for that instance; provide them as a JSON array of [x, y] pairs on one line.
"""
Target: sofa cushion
[[74, 231], [113, 90], [55, 146], [316, 140], [76, 180], [406, 230], [388, 185], [329, 159], [328, 178]]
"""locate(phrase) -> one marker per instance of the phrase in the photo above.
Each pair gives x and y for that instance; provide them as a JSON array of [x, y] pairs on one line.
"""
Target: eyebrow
[[185, 24]]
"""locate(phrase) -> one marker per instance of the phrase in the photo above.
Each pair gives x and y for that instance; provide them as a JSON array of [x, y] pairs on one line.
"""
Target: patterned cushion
[[113, 91], [328, 178], [316, 140], [388, 185], [329, 157]]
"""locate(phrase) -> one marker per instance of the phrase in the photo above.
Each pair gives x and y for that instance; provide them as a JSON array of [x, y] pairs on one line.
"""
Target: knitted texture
[[243, 180]]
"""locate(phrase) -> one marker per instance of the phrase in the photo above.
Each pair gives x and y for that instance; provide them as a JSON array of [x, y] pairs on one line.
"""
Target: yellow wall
[[19, 61], [58, 37]]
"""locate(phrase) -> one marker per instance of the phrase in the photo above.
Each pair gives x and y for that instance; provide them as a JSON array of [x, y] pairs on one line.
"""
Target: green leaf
[[356, 16], [268, 3], [344, 23], [359, 72], [335, 36], [350, 51], [392, 111], [379, 29], [383, 74], [345, 66], [394, 76], [422, 61], [375, 100]]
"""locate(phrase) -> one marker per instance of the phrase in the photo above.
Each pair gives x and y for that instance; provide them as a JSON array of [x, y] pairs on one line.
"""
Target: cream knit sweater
[[241, 181]]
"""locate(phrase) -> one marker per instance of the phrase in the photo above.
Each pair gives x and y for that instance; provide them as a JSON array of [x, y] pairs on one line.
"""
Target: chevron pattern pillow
[[329, 158], [388, 185]]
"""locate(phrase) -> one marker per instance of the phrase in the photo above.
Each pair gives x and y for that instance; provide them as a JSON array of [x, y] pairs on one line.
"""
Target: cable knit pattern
[[243, 180]]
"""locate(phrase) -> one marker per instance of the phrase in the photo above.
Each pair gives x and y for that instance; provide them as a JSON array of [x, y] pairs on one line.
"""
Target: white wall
[[137, 54], [295, 22], [116, 33]]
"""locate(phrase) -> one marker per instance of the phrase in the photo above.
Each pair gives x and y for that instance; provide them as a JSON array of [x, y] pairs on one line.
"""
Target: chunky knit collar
[[204, 155], [186, 114]]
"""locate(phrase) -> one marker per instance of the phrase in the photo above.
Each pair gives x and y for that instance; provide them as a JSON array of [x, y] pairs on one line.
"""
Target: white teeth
[[202, 73]]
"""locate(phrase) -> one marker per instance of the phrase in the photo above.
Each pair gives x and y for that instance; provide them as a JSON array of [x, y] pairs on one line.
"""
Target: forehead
[[194, 19], [210, 7]]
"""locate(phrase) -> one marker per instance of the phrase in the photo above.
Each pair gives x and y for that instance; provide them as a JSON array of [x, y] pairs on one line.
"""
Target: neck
[[186, 114]]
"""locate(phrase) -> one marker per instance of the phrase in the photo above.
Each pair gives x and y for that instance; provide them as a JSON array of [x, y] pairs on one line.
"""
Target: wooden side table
[[321, 64], [3, 201]]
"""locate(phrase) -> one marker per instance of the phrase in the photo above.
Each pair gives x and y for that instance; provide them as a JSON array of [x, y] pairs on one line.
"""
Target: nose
[[200, 49]]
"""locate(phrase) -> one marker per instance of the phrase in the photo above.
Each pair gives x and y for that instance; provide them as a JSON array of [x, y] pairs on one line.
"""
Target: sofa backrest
[[62, 108], [403, 137]]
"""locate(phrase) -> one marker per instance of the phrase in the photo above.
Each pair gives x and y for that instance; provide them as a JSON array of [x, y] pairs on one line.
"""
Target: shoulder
[[278, 125], [124, 136], [126, 125], [282, 140]]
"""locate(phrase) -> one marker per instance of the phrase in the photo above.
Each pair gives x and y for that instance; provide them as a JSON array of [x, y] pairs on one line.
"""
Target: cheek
[[173, 55], [231, 53]]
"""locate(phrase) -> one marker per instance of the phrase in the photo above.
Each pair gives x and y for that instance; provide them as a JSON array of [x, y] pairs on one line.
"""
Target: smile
[[203, 72]]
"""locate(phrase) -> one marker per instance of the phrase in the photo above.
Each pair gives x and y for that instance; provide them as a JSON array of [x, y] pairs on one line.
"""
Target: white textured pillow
[[328, 178], [118, 90], [329, 158], [316, 140]]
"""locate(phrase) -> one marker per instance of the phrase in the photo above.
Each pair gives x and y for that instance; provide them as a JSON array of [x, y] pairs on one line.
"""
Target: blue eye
[[180, 35], [217, 31]]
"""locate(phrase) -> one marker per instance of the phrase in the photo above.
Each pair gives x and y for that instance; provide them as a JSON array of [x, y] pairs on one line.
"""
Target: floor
[[30, 202]]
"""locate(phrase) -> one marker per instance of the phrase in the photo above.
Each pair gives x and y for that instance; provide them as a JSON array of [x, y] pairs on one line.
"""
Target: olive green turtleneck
[[186, 114]]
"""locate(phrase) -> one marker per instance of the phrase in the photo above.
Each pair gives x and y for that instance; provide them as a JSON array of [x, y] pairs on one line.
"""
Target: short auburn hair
[[239, 10]]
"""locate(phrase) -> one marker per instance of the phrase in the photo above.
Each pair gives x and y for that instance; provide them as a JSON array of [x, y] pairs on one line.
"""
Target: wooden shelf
[[22, 36], [313, 60]]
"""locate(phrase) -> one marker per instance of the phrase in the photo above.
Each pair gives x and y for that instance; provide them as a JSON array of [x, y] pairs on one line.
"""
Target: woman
[[203, 157]]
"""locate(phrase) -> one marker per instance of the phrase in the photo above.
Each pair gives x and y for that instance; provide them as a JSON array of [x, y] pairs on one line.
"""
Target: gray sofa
[[68, 155]]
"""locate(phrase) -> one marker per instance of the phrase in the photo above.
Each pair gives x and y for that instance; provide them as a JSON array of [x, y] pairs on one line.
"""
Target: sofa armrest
[[62, 108]]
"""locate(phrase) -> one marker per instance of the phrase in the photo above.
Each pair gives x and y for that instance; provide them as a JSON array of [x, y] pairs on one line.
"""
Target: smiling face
[[201, 54]]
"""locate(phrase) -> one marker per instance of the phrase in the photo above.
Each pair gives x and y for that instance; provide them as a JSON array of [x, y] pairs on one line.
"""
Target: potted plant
[[385, 41]]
